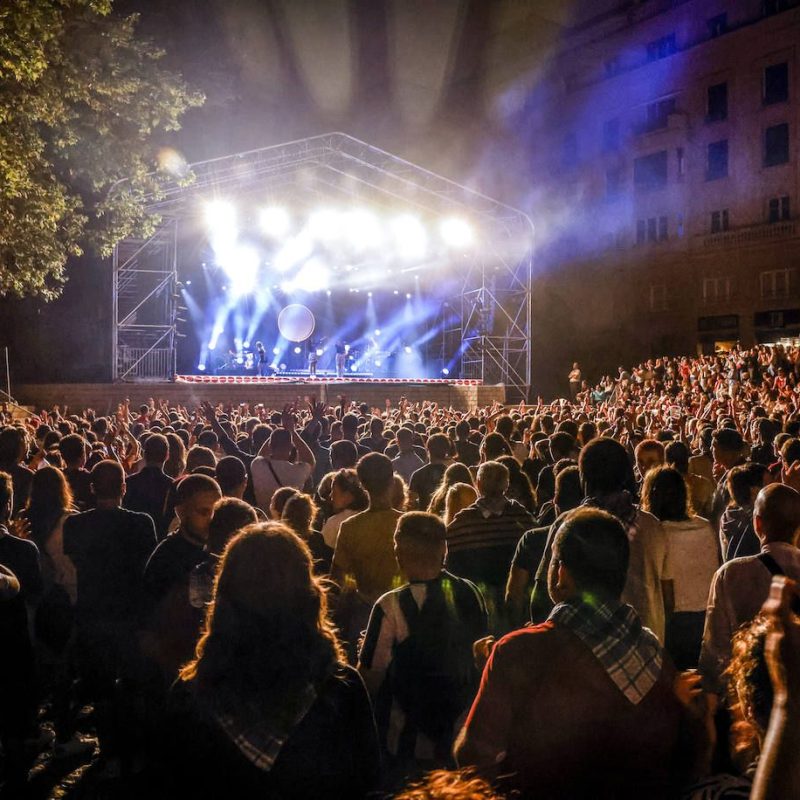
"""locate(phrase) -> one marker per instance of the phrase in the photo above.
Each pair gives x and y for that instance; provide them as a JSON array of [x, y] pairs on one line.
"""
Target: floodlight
[[298, 350], [410, 237], [275, 221], [325, 224], [363, 229], [456, 232], [241, 266]]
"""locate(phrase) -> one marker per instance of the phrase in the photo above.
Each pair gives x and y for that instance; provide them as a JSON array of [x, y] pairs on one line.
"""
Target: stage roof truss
[[495, 303]]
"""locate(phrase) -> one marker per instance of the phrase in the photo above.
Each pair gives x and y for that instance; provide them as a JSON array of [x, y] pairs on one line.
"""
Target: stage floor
[[273, 392]]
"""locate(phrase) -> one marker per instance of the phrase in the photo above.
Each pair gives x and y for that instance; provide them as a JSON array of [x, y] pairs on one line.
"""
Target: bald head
[[776, 514]]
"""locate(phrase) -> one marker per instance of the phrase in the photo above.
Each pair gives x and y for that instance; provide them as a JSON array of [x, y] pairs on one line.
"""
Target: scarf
[[261, 743], [629, 653]]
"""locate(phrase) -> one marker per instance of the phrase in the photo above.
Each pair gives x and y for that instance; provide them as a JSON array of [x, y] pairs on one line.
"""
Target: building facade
[[665, 143]]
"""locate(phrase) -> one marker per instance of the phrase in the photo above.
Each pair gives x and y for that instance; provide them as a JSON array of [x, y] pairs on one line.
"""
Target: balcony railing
[[752, 234]]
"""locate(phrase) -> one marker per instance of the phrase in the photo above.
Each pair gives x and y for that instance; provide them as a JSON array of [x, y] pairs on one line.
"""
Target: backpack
[[432, 675]]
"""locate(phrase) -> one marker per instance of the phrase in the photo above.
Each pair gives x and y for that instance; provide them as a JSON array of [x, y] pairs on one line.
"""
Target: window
[[717, 160], [614, 182], [776, 84], [716, 289], [569, 151], [657, 114], [776, 145], [719, 221], [681, 158], [658, 297], [717, 102], [717, 25], [778, 283], [611, 135], [661, 48], [650, 172], [779, 209], [652, 229]]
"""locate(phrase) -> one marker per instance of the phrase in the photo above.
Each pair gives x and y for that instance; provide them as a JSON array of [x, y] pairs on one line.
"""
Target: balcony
[[751, 234]]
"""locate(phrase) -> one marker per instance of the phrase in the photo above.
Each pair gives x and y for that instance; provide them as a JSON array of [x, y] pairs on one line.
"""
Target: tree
[[83, 102]]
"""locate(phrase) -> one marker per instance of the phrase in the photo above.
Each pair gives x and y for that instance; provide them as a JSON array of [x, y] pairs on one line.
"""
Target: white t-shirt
[[330, 530], [288, 474], [692, 560]]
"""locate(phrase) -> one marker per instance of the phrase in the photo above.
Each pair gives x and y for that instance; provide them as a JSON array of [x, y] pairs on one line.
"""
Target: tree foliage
[[83, 102]]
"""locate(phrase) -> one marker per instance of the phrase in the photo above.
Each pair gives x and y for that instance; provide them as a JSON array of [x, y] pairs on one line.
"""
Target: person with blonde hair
[[299, 513], [455, 473], [459, 496], [268, 707]]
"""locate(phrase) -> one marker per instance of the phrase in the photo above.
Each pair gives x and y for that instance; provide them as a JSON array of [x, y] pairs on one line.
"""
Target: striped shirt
[[481, 541]]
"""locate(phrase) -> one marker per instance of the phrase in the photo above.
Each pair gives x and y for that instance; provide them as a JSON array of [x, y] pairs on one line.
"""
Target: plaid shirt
[[629, 652], [261, 745]]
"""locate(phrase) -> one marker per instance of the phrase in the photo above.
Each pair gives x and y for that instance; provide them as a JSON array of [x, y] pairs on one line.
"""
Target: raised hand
[[208, 411], [287, 417]]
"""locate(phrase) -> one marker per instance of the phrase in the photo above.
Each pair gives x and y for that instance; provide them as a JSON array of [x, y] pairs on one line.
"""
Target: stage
[[273, 392]]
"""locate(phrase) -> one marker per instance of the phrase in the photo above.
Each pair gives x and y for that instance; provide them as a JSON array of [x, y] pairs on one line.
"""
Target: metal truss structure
[[492, 319]]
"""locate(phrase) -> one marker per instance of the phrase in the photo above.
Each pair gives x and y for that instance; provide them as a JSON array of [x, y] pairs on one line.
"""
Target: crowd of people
[[584, 598]]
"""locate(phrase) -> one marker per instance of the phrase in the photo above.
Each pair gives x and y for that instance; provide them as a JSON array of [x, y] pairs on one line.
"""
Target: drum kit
[[237, 362]]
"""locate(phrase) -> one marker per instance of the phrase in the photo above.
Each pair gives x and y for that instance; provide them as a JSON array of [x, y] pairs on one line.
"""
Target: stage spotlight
[[275, 351], [275, 221], [445, 372], [363, 229], [188, 283], [377, 331], [298, 350], [408, 295], [325, 224], [378, 362], [456, 232], [201, 367], [328, 292], [246, 345], [407, 350], [283, 367], [411, 239], [320, 351], [369, 294], [241, 266], [353, 368], [220, 217], [396, 291]]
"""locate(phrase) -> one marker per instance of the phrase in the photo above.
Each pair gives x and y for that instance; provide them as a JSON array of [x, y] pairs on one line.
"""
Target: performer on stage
[[312, 360], [341, 357], [261, 359]]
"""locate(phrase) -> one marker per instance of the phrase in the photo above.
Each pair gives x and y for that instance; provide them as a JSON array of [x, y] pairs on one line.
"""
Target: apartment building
[[665, 141]]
